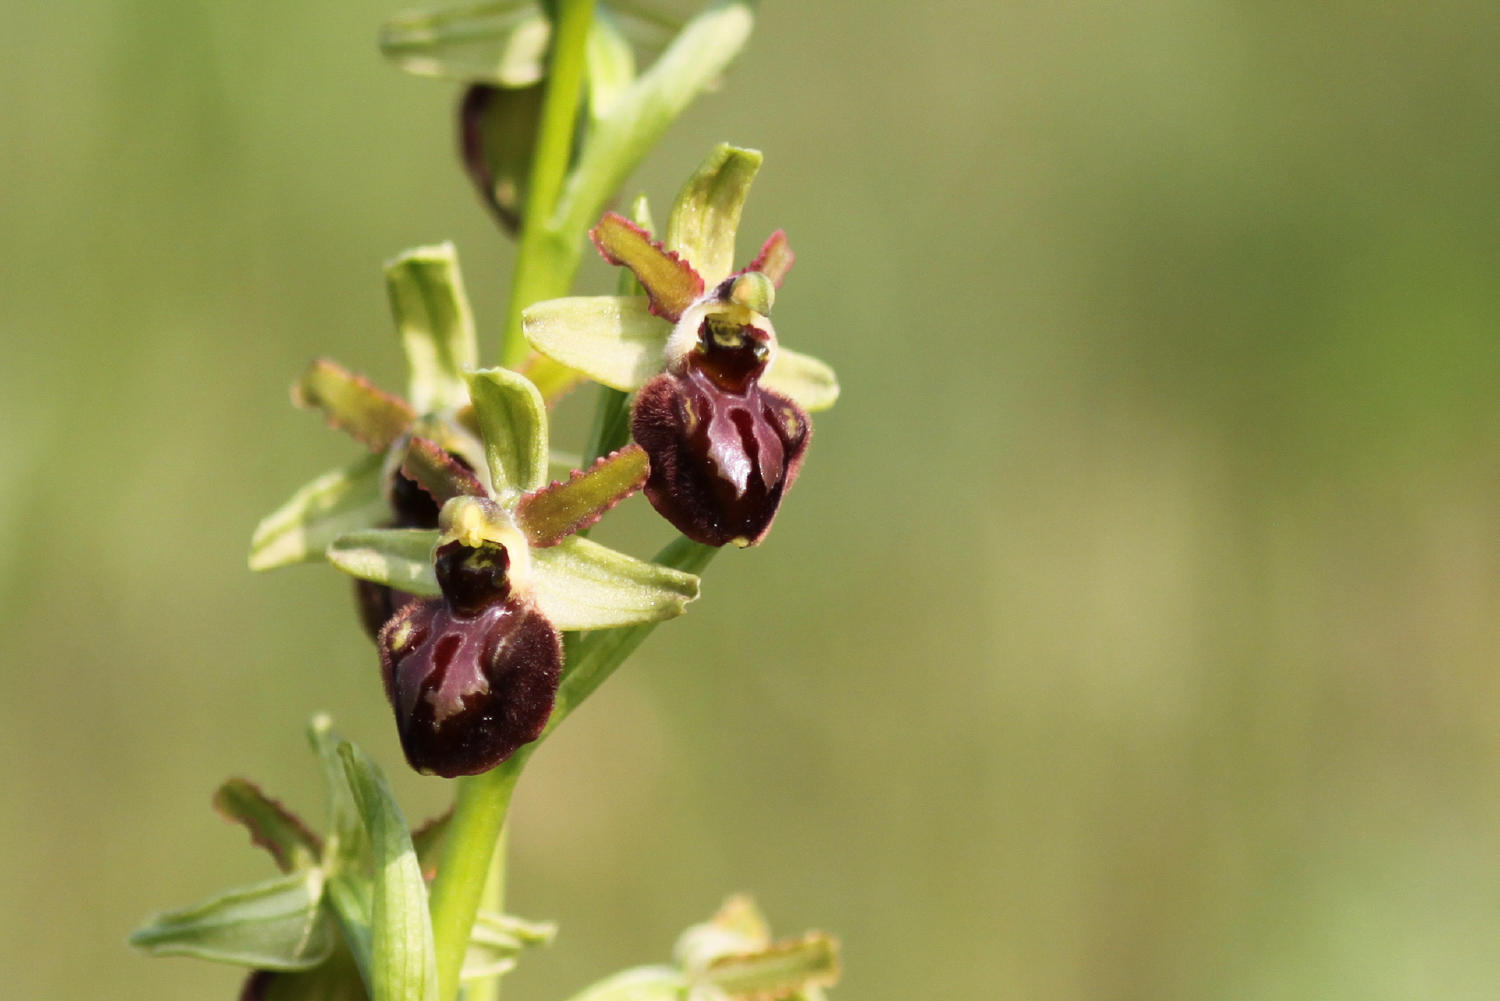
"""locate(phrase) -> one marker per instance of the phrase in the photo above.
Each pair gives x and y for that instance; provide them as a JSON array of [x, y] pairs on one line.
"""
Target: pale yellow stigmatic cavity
[[477, 521]]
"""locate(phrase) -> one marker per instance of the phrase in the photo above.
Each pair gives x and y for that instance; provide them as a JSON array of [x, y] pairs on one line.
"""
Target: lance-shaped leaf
[[582, 585], [353, 404], [345, 846], [436, 325], [403, 965], [513, 421], [335, 503], [271, 825], [554, 512], [706, 214], [613, 339], [669, 279], [438, 473], [275, 925], [396, 557], [809, 382], [503, 43]]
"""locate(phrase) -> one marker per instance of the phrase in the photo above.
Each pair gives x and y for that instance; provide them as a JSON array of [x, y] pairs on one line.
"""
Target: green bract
[[622, 341]]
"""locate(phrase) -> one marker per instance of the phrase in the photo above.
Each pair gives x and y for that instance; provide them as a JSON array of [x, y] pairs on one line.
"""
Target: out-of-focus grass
[[1131, 634]]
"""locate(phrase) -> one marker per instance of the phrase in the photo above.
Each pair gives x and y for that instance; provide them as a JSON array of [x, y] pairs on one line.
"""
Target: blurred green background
[[1131, 633]]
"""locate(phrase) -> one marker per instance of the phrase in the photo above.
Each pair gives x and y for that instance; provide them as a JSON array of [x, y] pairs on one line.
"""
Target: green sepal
[[438, 473], [644, 983], [337, 502], [669, 278], [271, 825], [807, 381], [611, 63], [513, 422], [275, 925], [580, 584], [436, 325], [552, 513], [503, 43], [396, 557], [403, 962], [498, 939], [706, 214], [612, 339], [353, 404]]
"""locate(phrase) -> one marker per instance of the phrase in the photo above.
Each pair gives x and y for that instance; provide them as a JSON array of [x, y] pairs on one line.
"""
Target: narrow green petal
[[707, 211], [271, 825], [582, 585], [403, 959], [556, 511], [503, 43], [275, 925], [344, 500], [513, 421], [397, 557], [803, 378], [438, 473], [436, 325], [612, 339], [668, 278], [353, 404]]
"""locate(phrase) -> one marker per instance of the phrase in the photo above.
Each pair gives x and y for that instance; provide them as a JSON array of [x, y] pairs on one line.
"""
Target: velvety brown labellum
[[470, 676], [723, 450]]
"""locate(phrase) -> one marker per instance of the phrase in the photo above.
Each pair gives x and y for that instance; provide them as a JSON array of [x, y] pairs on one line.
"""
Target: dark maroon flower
[[723, 449], [471, 675]]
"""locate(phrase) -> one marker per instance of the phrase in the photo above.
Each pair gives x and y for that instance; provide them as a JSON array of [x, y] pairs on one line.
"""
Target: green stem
[[538, 275], [470, 845]]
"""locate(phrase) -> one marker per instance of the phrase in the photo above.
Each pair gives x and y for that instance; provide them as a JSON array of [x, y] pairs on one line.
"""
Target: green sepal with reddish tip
[[552, 513], [337, 502], [436, 325], [353, 404], [271, 825], [706, 214], [669, 279], [437, 472]]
